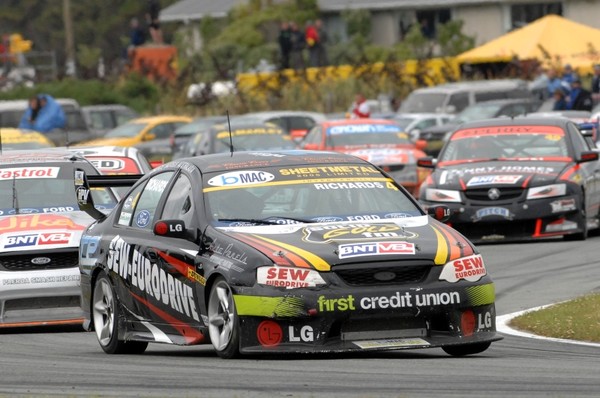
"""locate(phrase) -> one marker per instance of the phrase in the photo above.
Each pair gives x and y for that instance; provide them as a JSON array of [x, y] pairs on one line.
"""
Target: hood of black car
[[508, 174], [322, 246]]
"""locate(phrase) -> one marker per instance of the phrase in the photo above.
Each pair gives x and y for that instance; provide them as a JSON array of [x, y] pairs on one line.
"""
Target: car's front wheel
[[223, 322], [466, 349], [105, 314]]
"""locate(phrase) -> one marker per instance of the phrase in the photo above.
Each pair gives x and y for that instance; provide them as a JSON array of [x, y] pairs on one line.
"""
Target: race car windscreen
[[43, 188], [366, 135], [253, 140], [312, 193], [514, 142]]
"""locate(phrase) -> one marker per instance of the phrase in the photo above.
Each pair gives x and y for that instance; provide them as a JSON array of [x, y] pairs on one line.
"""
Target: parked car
[[76, 129], [454, 97], [148, 134], [246, 134], [183, 133], [379, 141], [294, 123], [40, 230], [435, 135], [522, 178], [103, 118], [572, 115], [11, 138], [265, 252], [414, 123]]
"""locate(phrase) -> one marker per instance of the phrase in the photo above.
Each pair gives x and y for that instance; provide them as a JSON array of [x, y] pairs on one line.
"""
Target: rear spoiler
[[84, 183], [108, 181]]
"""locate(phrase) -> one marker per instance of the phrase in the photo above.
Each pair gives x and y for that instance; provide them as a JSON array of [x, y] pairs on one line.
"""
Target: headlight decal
[[275, 253], [284, 254], [442, 248], [547, 191], [442, 195], [271, 307], [481, 295], [450, 245], [315, 261]]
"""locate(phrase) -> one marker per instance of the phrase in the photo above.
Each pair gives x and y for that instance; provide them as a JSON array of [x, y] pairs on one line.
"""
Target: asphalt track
[[68, 362]]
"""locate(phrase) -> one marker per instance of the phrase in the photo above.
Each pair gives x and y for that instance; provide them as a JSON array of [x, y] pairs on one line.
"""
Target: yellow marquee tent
[[553, 40]]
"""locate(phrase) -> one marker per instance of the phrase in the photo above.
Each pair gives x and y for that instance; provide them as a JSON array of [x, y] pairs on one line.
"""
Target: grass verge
[[578, 319]]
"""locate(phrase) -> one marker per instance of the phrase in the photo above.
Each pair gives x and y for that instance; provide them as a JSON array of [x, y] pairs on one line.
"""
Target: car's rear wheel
[[105, 315], [466, 349], [223, 322]]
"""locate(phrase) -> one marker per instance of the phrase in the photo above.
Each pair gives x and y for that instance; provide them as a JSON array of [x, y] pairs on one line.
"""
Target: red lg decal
[[269, 333]]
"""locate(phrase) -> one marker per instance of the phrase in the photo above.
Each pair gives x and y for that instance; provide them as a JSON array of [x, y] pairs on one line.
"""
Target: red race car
[[381, 142]]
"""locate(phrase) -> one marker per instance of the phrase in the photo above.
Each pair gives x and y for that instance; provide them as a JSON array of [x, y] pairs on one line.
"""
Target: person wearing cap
[[569, 75], [579, 98], [596, 84]]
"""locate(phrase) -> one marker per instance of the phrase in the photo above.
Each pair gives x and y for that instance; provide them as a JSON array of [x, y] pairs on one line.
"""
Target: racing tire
[[223, 322], [105, 316], [466, 349]]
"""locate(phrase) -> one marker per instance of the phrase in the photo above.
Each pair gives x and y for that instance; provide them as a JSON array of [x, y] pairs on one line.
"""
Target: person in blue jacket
[[44, 114]]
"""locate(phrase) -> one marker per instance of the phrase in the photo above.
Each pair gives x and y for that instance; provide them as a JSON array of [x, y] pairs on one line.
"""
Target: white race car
[[40, 231]]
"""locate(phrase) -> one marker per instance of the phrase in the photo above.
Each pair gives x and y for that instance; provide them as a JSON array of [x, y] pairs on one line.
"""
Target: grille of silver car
[[38, 261], [375, 274]]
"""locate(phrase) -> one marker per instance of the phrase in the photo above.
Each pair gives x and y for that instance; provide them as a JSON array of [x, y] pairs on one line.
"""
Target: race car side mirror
[[588, 156], [173, 229], [84, 196], [440, 212], [427, 162]]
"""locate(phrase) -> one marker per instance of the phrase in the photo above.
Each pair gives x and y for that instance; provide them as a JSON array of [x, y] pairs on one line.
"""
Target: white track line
[[502, 322]]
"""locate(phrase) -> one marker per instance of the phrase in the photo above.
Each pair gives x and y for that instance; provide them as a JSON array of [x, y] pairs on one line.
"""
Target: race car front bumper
[[366, 318], [527, 220], [40, 297]]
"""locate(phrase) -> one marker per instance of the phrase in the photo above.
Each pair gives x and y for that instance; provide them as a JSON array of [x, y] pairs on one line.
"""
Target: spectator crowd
[[567, 90]]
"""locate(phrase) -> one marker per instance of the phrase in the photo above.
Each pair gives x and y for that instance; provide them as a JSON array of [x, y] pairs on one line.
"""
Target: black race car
[[288, 251], [246, 133], [523, 178]]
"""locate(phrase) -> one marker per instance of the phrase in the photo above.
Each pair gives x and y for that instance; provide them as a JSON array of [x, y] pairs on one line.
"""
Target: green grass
[[578, 319]]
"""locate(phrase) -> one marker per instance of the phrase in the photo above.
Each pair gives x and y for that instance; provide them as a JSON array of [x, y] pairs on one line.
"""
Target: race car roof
[[517, 121], [109, 150], [39, 156], [259, 159], [344, 122]]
